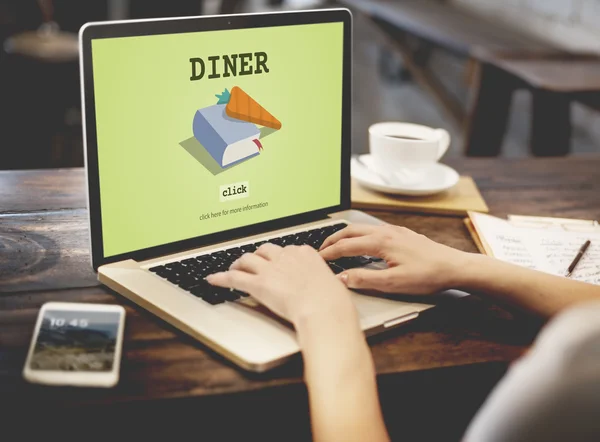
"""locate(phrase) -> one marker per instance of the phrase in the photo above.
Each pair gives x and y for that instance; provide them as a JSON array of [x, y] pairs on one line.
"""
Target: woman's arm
[[297, 284], [340, 378], [419, 266], [537, 292]]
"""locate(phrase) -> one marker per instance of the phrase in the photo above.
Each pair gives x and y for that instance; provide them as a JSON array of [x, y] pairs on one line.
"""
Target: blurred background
[[453, 64]]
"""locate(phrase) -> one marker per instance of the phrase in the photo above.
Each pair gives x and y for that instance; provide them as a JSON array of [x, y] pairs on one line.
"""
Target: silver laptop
[[206, 137]]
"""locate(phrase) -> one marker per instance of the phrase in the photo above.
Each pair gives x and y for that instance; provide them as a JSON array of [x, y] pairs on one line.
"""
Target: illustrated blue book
[[227, 139]]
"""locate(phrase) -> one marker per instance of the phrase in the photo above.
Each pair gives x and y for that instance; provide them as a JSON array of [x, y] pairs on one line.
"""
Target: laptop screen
[[205, 132]]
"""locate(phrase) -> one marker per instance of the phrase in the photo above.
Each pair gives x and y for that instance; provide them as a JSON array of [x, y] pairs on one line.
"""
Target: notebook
[[545, 244], [458, 201]]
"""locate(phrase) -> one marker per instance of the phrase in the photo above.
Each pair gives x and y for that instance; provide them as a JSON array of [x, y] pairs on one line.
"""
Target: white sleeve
[[553, 393]]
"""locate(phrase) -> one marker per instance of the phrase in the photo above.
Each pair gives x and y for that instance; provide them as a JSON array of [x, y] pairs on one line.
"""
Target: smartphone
[[77, 345]]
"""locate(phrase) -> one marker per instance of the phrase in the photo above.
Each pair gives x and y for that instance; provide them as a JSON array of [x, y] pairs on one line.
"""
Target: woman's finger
[[234, 279], [250, 263], [365, 279], [398, 280], [364, 245], [269, 251], [352, 231]]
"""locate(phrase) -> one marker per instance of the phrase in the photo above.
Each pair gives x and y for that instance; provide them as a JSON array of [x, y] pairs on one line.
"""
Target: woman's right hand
[[417, 265]]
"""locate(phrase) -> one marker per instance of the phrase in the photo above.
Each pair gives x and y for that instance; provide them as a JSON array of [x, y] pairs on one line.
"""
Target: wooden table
[[554, 81], [438, 369]]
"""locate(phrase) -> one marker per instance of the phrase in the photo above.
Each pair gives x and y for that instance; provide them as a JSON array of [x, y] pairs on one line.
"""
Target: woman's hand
[[294, 282], [417, 265]]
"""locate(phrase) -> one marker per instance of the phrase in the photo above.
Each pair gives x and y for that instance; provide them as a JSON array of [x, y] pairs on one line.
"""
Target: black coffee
[[404, 137]]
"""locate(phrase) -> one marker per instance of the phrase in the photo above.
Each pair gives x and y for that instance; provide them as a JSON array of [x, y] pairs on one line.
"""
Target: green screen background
[[153, 191]]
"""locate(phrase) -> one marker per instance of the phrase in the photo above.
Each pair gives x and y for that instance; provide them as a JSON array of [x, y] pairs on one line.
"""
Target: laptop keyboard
[[189, 273]]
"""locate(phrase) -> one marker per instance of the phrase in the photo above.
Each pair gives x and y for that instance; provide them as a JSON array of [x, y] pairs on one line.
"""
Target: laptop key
[[288, 240], [216, 295], [339, 227], [302, 237], [330, 230], [193, 287], [315, 244], [188, 282], [335, 268], [236, 252], [201, 289], [198, 269], [230, 296], [221, 267], [352, 262], [204, 271], [277, 241], [174, 279], [213, 298], [327, 231], [318, 243], [160, 271]]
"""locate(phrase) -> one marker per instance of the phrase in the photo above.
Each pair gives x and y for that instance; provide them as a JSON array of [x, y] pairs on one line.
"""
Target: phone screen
[[71, 340]]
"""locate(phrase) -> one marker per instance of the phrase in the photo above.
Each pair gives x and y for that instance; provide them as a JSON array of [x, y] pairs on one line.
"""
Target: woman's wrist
[[320, 312], [326, 320], [334, 348], [329, 333], [476, 272], [464, 269]]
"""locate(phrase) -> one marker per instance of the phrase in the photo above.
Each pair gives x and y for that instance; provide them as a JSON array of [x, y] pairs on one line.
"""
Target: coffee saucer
[[437, 178]]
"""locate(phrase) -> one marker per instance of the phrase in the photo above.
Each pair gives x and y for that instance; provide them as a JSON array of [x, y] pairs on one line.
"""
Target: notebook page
[[547, 250], [588, 269], [506, 242], [559, 249]]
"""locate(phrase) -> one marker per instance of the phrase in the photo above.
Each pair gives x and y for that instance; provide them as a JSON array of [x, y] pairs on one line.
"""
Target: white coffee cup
[[403, 151]]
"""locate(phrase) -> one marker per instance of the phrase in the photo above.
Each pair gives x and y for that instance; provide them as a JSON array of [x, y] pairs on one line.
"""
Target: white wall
[[573, 24]]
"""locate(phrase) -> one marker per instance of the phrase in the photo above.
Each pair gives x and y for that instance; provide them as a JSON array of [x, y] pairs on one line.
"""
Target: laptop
[[206, 137]]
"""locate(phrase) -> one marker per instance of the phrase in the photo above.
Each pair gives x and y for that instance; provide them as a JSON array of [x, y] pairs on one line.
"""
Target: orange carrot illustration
[[243, 107]]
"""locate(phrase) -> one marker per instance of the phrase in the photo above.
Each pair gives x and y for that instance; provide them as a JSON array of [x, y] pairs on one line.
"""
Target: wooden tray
[[459, 200]]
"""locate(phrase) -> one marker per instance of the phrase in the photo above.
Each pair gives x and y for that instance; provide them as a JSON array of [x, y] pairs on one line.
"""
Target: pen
[[580, 254]]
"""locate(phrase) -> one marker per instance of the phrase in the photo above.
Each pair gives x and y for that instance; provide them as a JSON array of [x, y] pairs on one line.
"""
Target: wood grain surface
[[30, 190], [45, 250], [567, 74], [160, 362]]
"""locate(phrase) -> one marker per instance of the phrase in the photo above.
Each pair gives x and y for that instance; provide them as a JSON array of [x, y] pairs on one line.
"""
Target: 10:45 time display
[[61, 322]]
